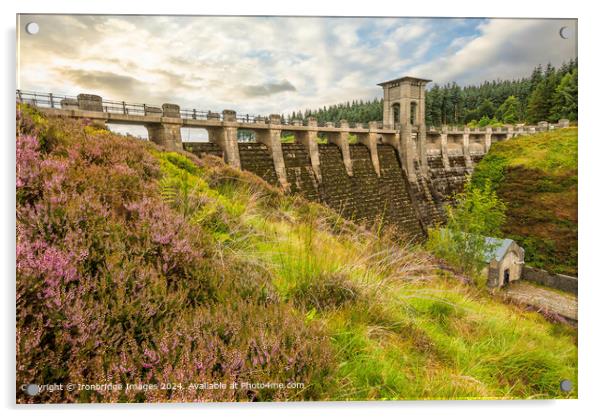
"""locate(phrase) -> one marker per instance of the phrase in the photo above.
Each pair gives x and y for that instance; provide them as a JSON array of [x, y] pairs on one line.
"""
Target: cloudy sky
[[274, 64]]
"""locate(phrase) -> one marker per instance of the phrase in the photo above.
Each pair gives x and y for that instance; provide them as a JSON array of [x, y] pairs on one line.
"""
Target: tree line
[[548, 94], [355, 111]]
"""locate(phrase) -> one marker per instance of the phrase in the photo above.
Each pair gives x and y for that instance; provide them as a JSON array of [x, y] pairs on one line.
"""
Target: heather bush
[[116, 282]]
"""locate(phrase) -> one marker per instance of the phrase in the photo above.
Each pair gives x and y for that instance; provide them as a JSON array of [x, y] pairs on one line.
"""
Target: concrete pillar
[[309, 140], [387, 116], [341, 139], [405, 154], [406, 150], [370, 140], [90, 102], [466, 147], [488, 132], [444, 153], [226, 137], [271, 139], [171, 110], [421, 146], [563, 123], [510, 133], [166, 134]]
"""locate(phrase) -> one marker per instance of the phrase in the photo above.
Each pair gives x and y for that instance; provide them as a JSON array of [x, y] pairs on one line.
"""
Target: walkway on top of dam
[[135, 113], [123, 112]]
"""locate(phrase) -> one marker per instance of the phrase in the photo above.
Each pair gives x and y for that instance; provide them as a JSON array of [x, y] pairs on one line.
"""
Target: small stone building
[[505, 262]]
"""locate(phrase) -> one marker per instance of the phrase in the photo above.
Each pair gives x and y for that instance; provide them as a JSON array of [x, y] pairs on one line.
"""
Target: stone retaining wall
[[557, 281]]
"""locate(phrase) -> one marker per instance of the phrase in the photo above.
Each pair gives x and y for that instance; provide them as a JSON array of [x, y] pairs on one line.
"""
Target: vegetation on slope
[[536, 177], [141, 266], [463, 241]]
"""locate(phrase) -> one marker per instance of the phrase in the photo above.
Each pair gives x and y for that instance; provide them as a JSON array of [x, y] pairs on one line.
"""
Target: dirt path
[[539, 297]]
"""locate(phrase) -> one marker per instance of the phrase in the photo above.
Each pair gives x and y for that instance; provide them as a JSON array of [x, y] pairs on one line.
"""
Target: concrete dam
[[396, 170]]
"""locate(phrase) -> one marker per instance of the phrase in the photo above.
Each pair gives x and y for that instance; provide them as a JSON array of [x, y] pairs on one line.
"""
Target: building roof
[[498, 249], [406, 78]]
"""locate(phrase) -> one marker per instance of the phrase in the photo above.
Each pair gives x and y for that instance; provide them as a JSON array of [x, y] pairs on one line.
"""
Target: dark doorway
[[506, 277]]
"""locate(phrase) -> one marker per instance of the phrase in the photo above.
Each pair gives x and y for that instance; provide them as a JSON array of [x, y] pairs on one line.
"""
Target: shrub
[[462, 242]]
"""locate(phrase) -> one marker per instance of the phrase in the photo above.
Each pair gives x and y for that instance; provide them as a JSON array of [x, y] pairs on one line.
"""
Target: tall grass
[[189, 270]]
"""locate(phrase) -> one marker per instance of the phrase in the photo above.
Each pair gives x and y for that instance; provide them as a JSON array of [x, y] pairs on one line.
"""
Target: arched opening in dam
[[194, 134], [137, 131]]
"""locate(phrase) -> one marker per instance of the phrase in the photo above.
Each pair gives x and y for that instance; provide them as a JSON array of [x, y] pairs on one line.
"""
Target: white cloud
[[506, 48], [272, 65], [410, 31]]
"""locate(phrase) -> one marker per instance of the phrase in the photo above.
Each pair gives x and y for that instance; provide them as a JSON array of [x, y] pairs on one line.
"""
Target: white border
[[590, 162]]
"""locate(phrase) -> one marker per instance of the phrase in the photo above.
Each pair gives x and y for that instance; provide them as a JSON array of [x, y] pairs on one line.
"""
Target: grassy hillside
[[136, 265], [536, 176]]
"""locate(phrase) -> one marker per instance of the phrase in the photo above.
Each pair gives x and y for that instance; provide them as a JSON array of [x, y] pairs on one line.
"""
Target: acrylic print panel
[[295, 208]]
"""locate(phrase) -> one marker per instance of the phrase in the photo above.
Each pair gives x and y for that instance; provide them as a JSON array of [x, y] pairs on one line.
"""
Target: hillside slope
[[140, 266], [536, 176]]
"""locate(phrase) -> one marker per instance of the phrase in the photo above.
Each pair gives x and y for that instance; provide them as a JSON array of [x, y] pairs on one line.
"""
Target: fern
[[168, 190]]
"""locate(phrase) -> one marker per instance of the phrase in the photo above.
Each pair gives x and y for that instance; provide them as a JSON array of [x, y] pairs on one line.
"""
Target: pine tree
[[540, 101], [436, 105], [508, 111], [486, 108], [457, 103], [537, 109], [536, 78], [565, 98]]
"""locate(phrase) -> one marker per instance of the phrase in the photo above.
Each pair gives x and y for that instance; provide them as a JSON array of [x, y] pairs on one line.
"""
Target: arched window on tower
[[396, 114], [413, 106]]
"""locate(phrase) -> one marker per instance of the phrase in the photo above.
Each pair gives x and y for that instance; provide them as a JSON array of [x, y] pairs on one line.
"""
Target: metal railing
[[58, 101], [196, 114], [48, 100]]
